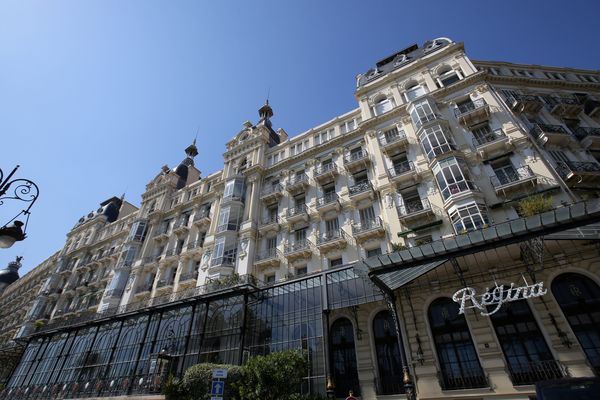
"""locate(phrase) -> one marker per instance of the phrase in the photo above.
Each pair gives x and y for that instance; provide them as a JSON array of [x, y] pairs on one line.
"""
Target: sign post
[[217, 387]]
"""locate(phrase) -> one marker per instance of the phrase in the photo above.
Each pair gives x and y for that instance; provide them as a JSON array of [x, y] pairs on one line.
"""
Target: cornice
[[541, 83]]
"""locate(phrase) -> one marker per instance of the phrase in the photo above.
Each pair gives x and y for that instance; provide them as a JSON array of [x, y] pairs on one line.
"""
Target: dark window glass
[[343, 355], [389, 368]]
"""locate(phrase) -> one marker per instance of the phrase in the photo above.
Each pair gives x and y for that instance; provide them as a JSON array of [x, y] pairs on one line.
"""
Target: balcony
[[551, 134], [492, 143], [269, 224], [328, 202], [403, 172], [589, 138], [532, 372], [326, 173], [524, 103], [202, 219], [415, 211], [513, 179], [271, 193], [114, 293], [143, 289], [591, 107], [195, 245], [579, 174], [564, 107], [472, 113], [301, 249], [368, 229], [392, 143], [225, 261], [227, 227], [269, 258], [297, 214], [151, 260], [161, 235], [297, 183], [332, 240], [172, 253], [181, 227], [361, 191], [357, 161], [163, 284], [462, 379], [188, 276]]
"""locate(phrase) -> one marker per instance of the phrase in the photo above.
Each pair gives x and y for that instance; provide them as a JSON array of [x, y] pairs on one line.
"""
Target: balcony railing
[[326, 199], [225, 261], [401, 168], [181, 224], [568, 168], [413, 206], [539, 129], [188, 276], [465, 379], [195, 244], [164, 283], [367, 225], [297, 179], [160, 232], [172, 252], [143, 289], [201, 215], [386, 140], [584, 131], [532, 372], [331, 236], [232, 226], [269, 190], [267, 254], [360, 187], [469, 107], [356, 156], [325, 168], [271, 219], [297, 210], [510, 176], [488, 138], [299, 245]]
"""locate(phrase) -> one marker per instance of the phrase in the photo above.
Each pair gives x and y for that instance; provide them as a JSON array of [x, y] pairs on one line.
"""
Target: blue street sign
[[217, 388]]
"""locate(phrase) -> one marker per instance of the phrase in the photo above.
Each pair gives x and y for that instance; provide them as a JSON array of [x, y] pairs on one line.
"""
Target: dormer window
[[447, 76], [382, 106], [414, 91]]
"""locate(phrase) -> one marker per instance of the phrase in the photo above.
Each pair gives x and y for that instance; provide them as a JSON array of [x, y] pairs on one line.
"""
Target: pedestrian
[[350, 396]]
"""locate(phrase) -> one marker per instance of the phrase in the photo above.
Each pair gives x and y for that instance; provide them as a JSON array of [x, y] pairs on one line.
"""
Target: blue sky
[[95, 96]]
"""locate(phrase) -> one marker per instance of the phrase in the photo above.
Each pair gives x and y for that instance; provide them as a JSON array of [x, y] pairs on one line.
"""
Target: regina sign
[[491, 301]]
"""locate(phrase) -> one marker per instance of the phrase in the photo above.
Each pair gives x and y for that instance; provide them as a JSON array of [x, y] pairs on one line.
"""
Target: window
[[450, 177], [459, 364], [270, 278], [483, 134], [468, 217], [409, 202], [272, 243], [300, 235], [436, 141], [414, 91], [343, 355], [366, 215], [324, 136], [235, 189], [336, 262], [559, 156], [360, 177], [448, 77], [389, 370], [299, 147], [382, 106], [275, 158], [555, 75], [374, 252], [528, 357], [505, 172], [350, 125], [579, 299], [332, 226], [301, 270], [422, 112]]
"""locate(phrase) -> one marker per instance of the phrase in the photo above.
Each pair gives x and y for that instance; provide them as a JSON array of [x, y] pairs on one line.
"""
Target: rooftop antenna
[[268, 94]]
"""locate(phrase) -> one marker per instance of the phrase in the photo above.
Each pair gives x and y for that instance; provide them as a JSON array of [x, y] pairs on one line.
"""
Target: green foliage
[[197, 380], [225, 281], [398, 247], [39, 324], [173, 389], [297, 396], [535, 205], [276, 376]]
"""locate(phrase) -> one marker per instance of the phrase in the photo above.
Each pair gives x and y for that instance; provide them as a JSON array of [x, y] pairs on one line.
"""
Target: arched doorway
[[389, 368], [579, 299], [343, 355], [459, 364]]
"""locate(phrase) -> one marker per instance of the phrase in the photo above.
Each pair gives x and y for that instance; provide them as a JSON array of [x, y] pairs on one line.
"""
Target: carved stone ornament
[[205, 260], [130, 282], [389, 200], [243, 247]]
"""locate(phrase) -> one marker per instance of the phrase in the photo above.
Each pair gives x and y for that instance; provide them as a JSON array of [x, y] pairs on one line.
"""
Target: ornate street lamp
[[21, 190]]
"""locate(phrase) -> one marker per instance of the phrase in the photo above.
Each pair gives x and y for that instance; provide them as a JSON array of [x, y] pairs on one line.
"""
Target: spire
[[265, 112], [192, 150]]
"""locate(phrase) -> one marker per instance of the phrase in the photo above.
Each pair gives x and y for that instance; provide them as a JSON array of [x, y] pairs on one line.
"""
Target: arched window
[[447, 76], [382, 105], [389, 367], [413, 91], [343, 355], [579, 299], [528, 356], [459, 365]]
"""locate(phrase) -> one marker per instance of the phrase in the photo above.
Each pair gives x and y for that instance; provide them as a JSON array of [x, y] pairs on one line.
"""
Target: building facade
[[265, 253]]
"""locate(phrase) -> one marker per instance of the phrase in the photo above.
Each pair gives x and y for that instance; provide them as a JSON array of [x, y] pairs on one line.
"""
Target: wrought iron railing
[[356, 156], [401, 168], [299, 245], [389, 139], [469, 107], [164, 283], [326, 199], [271, 219], [488, 138], [360, 187], [225, 261], [539, 129], [201, 215], [297, 210], [297, 179], [186, 276], [511, 176], [271, 189], [181, 224], [413, 206], [230, 226], [568, 168], [331, 235], [367, 225], [585, 131], [325, 168], [391, 384], [557, 100], [163, 231], [465, 379], [267, 254], [535, 371]]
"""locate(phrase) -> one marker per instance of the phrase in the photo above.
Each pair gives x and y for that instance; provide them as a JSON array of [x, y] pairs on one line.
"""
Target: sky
[[96, 96]]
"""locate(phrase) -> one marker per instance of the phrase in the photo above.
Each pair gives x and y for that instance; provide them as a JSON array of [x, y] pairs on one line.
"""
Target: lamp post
[[16, 189]]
